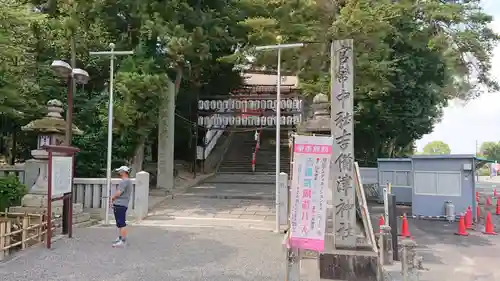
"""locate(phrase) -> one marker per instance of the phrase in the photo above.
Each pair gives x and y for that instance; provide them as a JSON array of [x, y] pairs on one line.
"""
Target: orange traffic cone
[[405, 232], [488, 201], [461, 227], [488, 228], [468, 218], [381, 222], [497, 212], [477, 196], [478, 213]]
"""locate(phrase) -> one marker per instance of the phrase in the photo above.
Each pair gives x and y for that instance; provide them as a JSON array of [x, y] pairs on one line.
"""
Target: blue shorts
[[120, 215]]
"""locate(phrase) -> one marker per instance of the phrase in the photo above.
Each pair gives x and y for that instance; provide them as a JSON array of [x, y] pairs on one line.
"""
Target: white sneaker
[[118, 243]]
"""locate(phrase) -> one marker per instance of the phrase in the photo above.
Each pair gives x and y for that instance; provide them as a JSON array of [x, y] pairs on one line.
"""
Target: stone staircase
[[238, 157], [266, 156]]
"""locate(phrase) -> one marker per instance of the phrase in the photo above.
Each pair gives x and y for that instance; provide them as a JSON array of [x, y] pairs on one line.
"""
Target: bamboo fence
[[19, 231]]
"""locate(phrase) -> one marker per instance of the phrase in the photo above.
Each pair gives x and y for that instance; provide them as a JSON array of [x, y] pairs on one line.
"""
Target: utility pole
[[72, 87], [112, 53], [71, 91], [278, 47]]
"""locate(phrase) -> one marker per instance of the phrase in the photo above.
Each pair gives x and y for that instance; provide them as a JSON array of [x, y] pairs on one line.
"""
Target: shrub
[[11, 191]]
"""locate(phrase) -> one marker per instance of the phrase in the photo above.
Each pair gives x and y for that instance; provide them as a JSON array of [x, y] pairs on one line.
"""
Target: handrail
[[257, 145], [210, 140]]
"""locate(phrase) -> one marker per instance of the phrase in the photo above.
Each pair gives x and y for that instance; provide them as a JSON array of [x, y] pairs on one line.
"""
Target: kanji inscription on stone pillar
[[342, 126]]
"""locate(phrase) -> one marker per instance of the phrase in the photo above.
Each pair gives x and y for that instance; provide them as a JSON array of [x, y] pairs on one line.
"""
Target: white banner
[[310, 178]]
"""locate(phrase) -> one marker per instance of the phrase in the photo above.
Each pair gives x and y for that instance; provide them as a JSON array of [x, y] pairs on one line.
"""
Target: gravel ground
[[154, 253]]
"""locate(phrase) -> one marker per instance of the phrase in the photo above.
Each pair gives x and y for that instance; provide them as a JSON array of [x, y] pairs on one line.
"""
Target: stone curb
[[228, 196], [193, 182], [243, 183]]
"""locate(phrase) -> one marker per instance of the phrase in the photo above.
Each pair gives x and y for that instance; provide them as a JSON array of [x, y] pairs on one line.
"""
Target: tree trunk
[[9, 155], [166, 134], [165, 172], [138, 159]]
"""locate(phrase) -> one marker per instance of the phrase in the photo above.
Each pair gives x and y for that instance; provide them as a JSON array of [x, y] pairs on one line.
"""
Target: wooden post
[[24, 236], [39, 228], [8, 227], [2, 239]]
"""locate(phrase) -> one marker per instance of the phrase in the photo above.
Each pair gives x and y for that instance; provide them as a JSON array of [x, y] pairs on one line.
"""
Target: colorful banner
[[311, 162]]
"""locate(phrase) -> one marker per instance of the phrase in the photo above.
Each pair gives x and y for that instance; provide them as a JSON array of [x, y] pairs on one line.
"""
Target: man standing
[[120, 202]]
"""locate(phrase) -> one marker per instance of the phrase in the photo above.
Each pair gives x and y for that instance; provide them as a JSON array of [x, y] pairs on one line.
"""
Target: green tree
[[411, 57], [437, 148], [18, 80], [176, 48], [490, 150]]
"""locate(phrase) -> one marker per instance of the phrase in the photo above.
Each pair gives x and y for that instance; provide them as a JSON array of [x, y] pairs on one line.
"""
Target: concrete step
[[235, 171], [77, 218]]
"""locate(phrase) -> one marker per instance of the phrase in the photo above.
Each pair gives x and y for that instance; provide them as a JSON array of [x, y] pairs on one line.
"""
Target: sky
[[477, 121]]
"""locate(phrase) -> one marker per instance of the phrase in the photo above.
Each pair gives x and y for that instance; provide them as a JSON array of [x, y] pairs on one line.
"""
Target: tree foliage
[[490, 150], [17, 81], [411, 57], [178, 40], [437, 148]]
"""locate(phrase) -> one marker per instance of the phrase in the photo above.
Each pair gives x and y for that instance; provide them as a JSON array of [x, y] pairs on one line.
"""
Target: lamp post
[[77, 75], [111, 53], [278, 47], [73, 76]]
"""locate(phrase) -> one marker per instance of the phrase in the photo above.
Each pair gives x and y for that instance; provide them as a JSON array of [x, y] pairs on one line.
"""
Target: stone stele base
[[38, 201], [348, 267], [37, 204]]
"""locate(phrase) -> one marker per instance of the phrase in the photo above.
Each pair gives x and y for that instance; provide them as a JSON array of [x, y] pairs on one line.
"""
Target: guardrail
[[210, 140], [17, 170], [90, 192]]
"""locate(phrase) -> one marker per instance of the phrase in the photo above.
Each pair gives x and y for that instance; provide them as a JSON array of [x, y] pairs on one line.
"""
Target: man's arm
[[121, 188], [118, 193]]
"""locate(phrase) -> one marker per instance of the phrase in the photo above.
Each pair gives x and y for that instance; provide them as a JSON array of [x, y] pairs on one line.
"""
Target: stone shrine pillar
[[51, 130]]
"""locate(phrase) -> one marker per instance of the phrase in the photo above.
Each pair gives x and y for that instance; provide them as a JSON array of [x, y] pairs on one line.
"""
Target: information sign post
[[60, 186]]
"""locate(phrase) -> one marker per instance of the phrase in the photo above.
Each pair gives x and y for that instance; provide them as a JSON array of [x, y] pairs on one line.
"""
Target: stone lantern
[[320, 123], [51, 130]]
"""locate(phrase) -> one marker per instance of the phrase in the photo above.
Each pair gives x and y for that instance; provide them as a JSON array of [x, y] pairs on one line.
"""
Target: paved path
[[447, 256], [218, 202], [154, 254], [216, 212], [450, 257]]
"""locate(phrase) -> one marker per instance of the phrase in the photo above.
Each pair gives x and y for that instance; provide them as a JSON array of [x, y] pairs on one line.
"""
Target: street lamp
[[73, 76], [80, 76], [278, 47], [112, 53]]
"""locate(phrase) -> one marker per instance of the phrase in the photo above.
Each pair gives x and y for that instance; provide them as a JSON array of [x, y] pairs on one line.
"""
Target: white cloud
[[477, 121]]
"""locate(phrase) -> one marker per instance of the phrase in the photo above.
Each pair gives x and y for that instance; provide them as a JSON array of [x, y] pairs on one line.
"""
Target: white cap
[[123, 169]]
